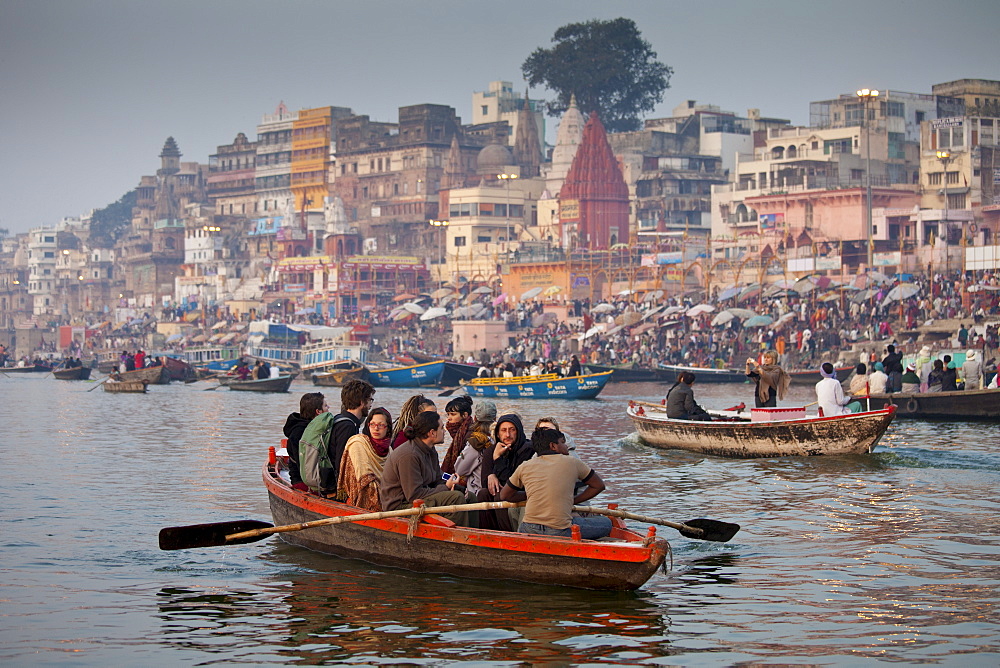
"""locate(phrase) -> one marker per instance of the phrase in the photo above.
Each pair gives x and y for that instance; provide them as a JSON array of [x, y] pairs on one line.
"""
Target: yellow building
[[312, 133]]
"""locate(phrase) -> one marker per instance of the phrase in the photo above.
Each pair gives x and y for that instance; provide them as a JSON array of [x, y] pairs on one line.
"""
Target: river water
[[888, 557]]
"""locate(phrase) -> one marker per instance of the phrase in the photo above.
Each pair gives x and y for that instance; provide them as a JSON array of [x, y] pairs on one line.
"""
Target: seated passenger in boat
[[859, 381], [311, 404], [830, 394], [459, 425], [469, 465], [362, 462], [680, 400], [935, 379], [547, 483], [412, 471], [950, 381], [878, 379], [910, 380], [416, 404], [499, 463]]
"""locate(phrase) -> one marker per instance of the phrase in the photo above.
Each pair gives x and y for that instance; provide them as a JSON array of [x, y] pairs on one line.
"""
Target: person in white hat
[[972, 370], [911, 381]]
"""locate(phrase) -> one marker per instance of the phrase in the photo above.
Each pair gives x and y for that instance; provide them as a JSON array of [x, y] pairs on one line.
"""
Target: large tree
[[607, 65], [107, 225]]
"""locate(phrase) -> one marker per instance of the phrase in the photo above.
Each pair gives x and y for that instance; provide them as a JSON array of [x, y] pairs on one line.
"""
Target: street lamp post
[[507, 178], [945, 158], [443, 258], [868, 95]]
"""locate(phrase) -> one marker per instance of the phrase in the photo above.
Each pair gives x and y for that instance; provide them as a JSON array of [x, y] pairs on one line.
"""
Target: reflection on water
[[890, 556]]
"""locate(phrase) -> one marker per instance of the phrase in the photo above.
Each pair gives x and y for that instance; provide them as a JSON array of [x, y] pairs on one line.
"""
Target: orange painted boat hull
[[625, 563]]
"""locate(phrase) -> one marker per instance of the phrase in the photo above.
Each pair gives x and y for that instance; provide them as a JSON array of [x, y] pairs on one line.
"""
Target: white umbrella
[[742, 313], [533, 292], [758, 321], [602, 308], [901, 291], [673, 309], [482, 290], [699, 309], [416, 309], [780, 322], [722, 318], [435, 312]]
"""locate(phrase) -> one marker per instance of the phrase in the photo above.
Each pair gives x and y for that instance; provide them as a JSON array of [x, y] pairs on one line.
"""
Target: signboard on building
[[569, 209], [669, 258], [771, 220], [801, 264], [295, 287], [302, 264], [951, 122], [890, 259], [386, 261], [828, 263]]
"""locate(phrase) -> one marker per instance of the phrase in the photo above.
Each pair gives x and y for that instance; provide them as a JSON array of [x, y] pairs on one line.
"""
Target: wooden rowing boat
[[624, 562], [340, 373], [740, 437], [408, 376], [279, 384], [72, 373], [550, 386], [961, 405], [154, 375], [30, 368], [132, 387]]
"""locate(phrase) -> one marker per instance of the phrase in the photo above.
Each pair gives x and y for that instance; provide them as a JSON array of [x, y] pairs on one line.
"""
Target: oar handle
[[366, 517], [614, 512]]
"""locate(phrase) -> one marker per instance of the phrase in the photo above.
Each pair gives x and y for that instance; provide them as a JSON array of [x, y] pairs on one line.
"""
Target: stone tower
[[593, 201]]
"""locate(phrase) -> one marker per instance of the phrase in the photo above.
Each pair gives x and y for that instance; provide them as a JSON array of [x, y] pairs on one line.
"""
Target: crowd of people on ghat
[[361, 457]]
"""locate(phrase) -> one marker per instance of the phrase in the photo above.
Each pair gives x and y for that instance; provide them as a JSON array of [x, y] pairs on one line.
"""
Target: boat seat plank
[[438, 520]]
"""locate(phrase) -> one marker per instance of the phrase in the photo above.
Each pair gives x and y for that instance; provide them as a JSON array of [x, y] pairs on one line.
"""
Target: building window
[[952, 178], [49, 254], [486, 110], [459, 241], [50, 240], [857, 174], [934, 179], [896, 140], [836, 146], [956, 201], [895, 109], [483, 239]]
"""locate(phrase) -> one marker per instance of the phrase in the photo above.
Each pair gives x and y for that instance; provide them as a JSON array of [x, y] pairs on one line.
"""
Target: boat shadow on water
[[318, 609]]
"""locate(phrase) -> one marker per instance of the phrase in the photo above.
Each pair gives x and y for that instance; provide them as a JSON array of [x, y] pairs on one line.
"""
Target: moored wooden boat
[[812, 376], [72, 373], [408, 376], [626, 373], [30, 368], [339, 374], [739, 437], [549, 386], [134, 386], [279, 384], [668, 373], [455, 372], [962, 405], [624, 562], [154, 375], [178, 369]]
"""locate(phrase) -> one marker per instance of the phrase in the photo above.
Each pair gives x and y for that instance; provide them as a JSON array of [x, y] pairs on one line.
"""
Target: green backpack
[[314, 453]]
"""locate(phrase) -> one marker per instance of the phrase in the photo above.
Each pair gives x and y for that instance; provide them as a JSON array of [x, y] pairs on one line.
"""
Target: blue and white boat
[[550, 386], [408, 376]]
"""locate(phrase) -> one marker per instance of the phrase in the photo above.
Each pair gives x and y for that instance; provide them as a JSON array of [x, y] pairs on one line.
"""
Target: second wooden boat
[[627, 373], [408, 376], [740, 437], [72, 373], [339, 374], [811, 376], [962, 405], [154, 375], [130, 387], [279, 384], [668, 373]]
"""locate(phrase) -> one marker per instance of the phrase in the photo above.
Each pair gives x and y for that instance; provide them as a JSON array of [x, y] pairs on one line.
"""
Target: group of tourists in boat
[[362, 457]]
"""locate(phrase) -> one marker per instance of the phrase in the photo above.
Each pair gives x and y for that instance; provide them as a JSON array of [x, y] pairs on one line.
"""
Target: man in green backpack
[[322, 443]]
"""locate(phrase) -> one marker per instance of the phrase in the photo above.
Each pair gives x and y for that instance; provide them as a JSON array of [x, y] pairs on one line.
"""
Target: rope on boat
[[414, 521]]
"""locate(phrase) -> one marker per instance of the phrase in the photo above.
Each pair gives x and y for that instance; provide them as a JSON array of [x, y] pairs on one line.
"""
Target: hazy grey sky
[[92, 88]]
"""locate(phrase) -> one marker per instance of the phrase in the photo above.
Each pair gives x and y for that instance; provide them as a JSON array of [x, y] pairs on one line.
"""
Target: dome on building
[[493, 159]]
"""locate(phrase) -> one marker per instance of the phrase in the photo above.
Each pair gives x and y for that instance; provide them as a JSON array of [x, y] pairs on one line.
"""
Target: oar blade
[[209, 535], [713, 530]]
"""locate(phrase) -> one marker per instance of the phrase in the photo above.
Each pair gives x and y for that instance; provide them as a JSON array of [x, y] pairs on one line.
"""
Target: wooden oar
[[249, 531], [106, 379], [450, 391], [700, 529]]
